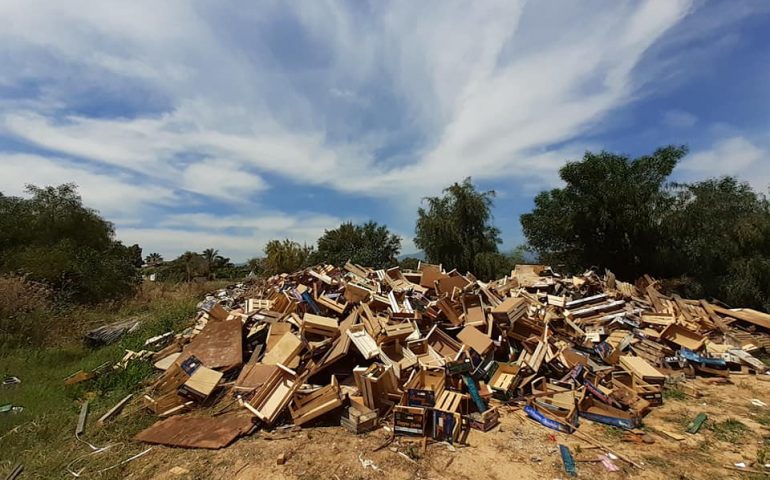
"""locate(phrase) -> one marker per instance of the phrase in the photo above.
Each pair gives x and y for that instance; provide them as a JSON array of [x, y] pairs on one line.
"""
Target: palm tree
[[153, 259], [210, 256]]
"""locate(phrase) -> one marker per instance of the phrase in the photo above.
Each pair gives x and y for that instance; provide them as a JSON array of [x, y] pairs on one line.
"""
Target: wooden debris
[[115, 410]]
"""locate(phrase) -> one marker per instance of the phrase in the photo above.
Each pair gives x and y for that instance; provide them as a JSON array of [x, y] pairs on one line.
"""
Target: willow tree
[[455, 229]]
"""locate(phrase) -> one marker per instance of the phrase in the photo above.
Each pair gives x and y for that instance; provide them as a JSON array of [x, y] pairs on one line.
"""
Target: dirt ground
[[736, 431]]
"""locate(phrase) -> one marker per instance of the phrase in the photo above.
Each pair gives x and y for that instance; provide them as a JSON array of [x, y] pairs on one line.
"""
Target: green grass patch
[[613, 433], [41, 437], [674, 394], [761, 415], [730, 430]]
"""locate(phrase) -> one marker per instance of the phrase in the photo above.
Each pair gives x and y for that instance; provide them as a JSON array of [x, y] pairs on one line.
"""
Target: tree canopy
[[711, 237], [455, 229], [720, 241], [285, 256], [368, 244], [608, 214], [53, 238]]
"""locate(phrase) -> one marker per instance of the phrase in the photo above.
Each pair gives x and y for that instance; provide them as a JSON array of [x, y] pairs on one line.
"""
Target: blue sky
[[227, 124]]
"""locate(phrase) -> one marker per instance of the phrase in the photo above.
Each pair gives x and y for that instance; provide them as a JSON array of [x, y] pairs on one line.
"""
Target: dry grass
[[19, 295], [24, 307]]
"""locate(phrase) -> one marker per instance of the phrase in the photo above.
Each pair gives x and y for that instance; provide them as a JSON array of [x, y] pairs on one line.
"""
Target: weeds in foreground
[[613, 433], [41, 436], [730, 430], [674, 394]]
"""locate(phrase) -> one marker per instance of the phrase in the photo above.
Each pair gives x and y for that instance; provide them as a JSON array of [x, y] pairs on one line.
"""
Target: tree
[[409, 263], [368, 244], [719, 232], [608, 215], [285, 256], [255, 265], [193, 264], [135, 251], [53, 238], [153, 259], [210, 257], [455, 228]]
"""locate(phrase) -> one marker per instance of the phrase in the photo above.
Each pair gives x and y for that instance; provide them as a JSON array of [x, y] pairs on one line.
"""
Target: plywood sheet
[[197, 432], [219, 345], [253, 376]]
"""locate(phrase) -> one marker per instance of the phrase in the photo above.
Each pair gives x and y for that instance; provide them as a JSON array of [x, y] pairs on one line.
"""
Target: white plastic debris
[[366, 463]]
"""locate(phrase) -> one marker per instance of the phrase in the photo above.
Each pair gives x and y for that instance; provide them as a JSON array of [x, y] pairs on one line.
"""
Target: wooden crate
[[504, 380], [409, 420], [305, 408], [270, 400], [486, 420], [358, 419]]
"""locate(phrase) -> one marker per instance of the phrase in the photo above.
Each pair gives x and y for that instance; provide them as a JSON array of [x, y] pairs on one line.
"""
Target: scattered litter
[[111, 333], [696, 423], [568, 461], [758, 403], [11, 408], [607, 462], [368, 463], [15, 473], [114, 411], [11, 381]]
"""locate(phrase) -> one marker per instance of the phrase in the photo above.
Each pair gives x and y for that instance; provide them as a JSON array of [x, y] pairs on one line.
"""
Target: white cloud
[[734, 156], [237, 236], [116, 196], [483, 105], [218, 100]]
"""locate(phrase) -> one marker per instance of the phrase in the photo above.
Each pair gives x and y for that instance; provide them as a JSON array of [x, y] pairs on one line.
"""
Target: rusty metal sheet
[[219, 345], [198, 432]]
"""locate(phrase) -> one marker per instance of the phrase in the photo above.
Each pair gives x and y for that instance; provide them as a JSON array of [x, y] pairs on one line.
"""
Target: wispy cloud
[[393, 101], [733, 156]]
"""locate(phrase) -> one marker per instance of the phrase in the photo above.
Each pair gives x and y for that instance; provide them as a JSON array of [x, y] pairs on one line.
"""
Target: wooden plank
[[643, 370], [276, 333], [746, 315], [202, 382], [476, 340], [284, 351], [198, 431], [114, 410], [166, 362], [219, 345], [81, 426]]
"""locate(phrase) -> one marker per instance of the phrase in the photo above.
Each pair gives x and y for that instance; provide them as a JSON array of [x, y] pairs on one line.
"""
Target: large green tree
[[368, 244], [719, 232], [53, 238], [607, 215], [455, 229]]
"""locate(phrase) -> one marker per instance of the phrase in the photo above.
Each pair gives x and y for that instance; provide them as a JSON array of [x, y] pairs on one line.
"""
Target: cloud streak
[[230, 104]]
